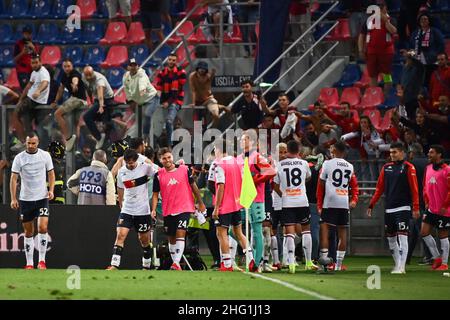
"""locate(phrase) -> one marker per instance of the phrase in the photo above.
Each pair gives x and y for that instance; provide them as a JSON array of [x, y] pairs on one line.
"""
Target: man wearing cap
[[140, 92], [200, 84], [23, 51]]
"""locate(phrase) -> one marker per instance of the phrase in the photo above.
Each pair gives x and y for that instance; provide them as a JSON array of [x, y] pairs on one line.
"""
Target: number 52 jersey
[[338, 176], [292, 174]]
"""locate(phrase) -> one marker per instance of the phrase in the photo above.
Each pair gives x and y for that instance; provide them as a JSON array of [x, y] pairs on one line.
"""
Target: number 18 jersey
[[291, 176], [337, 174]]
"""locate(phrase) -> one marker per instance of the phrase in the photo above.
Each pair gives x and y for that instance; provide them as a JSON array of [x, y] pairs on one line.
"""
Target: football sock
[[403, 240], [431, 244], [285, 251], [116, 256], [147, 256], [444, 248], [324, 253], [29, 250], [249, 253], [339, 258], [274, 250], [226, 259], [42, 240], [179, 250], [307, 245], [395, 250], [172, 251], [267, 241], [233, 248], [290, 244], [258, 241]]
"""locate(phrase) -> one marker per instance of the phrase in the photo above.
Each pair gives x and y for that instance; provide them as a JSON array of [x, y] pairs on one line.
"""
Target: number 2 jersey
[[337, 177], [291, 176]]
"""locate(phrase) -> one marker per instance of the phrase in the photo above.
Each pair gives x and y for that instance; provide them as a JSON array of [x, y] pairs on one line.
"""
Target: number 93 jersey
[[337, 174], [292, 174]]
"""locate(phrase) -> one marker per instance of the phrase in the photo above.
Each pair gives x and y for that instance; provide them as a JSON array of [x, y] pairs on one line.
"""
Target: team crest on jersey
[[172, 182]]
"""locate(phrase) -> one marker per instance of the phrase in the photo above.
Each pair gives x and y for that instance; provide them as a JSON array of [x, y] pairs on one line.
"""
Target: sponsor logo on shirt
[[293, 192], [172, 182]]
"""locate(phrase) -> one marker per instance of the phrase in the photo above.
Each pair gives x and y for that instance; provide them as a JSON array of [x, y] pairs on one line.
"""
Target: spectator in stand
[[409, 137], [102, 94], [268, 124], [125, 7], [164, 9], [347, 121], [169, 84], [316, 117], [151, 20], [423, 129], [141, 93], [356, 12], [440, 123], [215, 7], [71, 81], [300, 19], [200, 82], [83, 159], [376, 45], [250, 107], [23, 51], [328, 136], [7, 96], [440, 79], [310, 138], [411, 83], [35, 94], [427, 42], [248, 14]]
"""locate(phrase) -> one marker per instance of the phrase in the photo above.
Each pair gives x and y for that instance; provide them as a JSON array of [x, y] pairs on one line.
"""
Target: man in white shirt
[[132, 188], [7, 96], [35, 93], [33, 166], [290, 185]]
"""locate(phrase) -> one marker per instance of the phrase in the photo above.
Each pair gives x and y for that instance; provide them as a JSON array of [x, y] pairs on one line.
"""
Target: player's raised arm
[[117, 166]]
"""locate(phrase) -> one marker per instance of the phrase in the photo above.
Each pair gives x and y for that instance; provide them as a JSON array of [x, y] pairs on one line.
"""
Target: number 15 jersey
[[338, 175], [292, 174]]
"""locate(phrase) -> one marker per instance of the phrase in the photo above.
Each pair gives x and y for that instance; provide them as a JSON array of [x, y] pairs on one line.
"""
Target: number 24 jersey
[[292, 174]]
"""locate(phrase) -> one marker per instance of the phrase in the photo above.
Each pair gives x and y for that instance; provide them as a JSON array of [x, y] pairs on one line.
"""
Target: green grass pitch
[[418, 283]]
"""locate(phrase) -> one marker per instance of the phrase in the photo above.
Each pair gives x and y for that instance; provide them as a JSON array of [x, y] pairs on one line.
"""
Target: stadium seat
[[16, 9], [115, 76], [18, 34], [12, 81], [70, 36], [374, 116], [329, 96], [182, 56], [121, 98], [341, 32], [94, 56], [198, 37], [115, 33], [163, 52], [386, 121], [185, 29], [92, 33], [40, 9], [51, 55], [135, 9], [373, 97], [351, 74], [391, 101], [48, 33], [59, 9], [117, 56], [6, 57], [135, 34], [351, 95], [74, 53], [140, 53], [6, 34], [236, 36], [364, 82], [102, 10], [87, 8], [197, 14], [321, 29]]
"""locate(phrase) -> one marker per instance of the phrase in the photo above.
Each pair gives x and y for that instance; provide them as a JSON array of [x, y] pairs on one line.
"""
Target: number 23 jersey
[[292, 174], [337, 174]]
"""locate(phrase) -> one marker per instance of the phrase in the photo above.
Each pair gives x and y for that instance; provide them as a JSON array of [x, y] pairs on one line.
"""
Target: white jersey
[[33, 168], [291, 176], [337, 174], [136, 201], [212, 171]]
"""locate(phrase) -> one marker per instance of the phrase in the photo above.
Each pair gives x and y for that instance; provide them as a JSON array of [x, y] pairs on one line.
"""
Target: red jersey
[[379, 41]]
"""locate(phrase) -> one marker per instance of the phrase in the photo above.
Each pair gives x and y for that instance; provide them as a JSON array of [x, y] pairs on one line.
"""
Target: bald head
[[88, 72], [100, 155]]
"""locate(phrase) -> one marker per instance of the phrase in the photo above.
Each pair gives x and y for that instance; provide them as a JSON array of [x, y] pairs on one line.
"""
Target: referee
[[33, 166]]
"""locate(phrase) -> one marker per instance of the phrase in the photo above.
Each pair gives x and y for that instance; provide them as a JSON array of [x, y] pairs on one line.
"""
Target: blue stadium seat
[[162, 53], [48, 33], [16, 10], [390, 101], [59, 9], [6, 56], [18, 34], [115, 76], [70, 36], [6, 34], [351, 74], [74, 53], [321, 29], [140, 53], [39, 9], [92, 33], [102, 10], [94, 56]]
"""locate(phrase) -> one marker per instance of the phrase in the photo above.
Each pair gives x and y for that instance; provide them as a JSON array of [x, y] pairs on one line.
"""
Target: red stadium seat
[[374, 116], [182, 57], [364, 82], [13, 80], [189, 6], [236, 36], [116, 57], [185, 29], [386, 122], [199, 36], [87, 8], [341, 32], [351, 95], [135, 34], [373, 97], [121, 98], [115, 33], [51, 55], [329, 96], [135, 9]]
